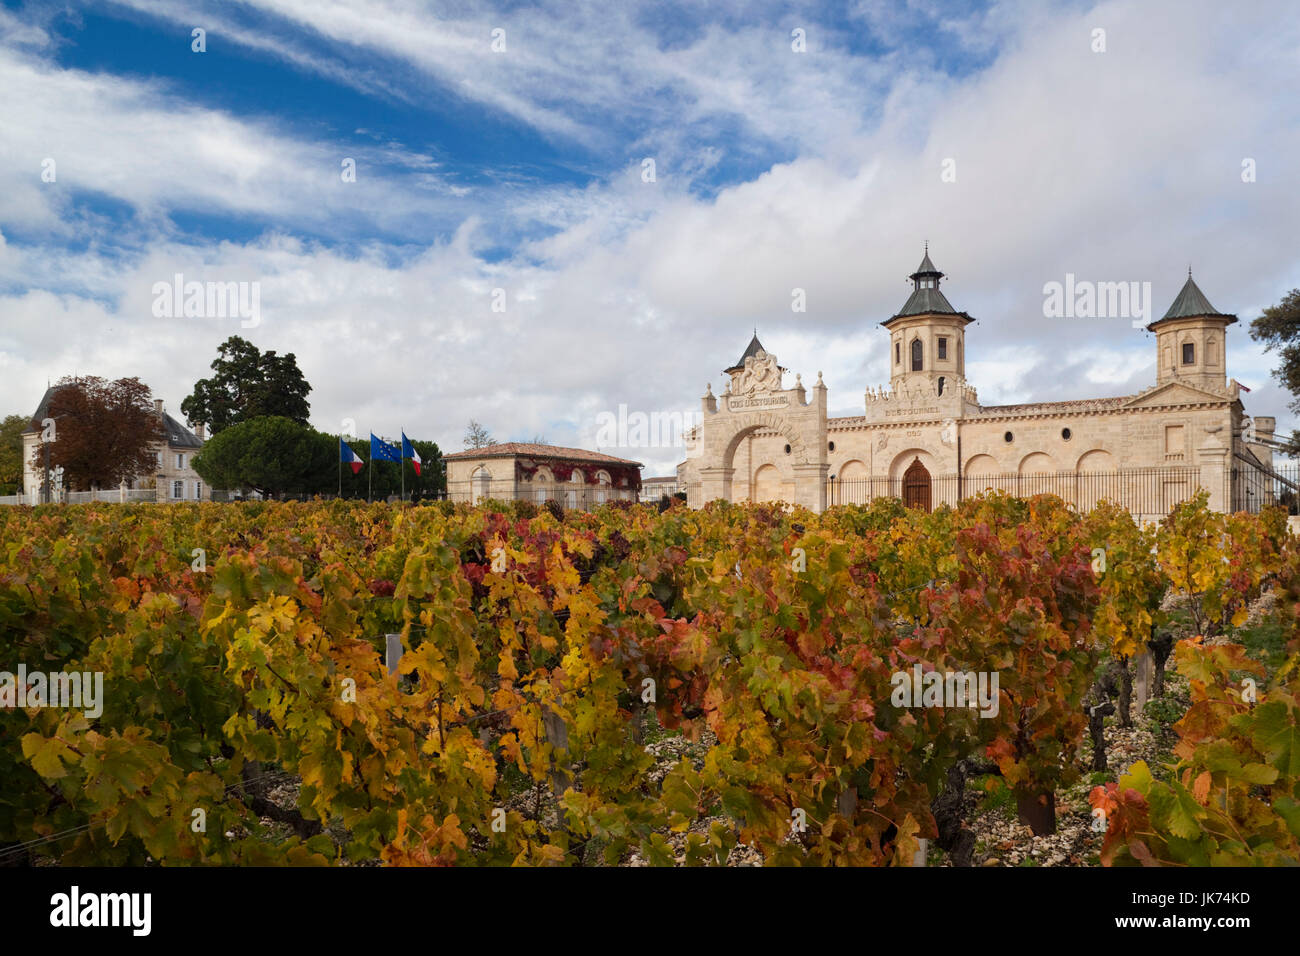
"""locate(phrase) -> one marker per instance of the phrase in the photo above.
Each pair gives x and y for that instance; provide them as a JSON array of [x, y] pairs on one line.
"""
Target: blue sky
[[520, 169]]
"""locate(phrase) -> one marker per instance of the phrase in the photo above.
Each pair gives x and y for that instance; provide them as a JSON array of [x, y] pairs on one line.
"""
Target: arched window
[[574, 496], [916, 355], [543, 485]]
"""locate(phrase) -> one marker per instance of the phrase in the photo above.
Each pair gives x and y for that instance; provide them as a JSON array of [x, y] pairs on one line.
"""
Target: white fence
[[114, 496]]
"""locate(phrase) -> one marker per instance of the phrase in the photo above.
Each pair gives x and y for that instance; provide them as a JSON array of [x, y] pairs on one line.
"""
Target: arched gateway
[[729, 464]]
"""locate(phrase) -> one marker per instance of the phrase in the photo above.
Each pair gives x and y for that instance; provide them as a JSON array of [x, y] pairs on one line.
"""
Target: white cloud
[[1112, 166]]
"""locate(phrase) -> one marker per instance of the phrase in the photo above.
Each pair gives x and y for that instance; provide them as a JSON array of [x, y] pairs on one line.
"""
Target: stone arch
[[1095, 460], [767, 483], [1037, 463], [480, 483], [1039, 474], [1095, 478], [981, 465], [742, 426], [853, 470], [903, 460], [543, 484]]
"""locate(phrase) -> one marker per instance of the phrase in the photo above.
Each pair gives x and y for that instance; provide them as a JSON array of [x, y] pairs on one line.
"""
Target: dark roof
[[42, 410], [1191, 303], [924, 300], [754, 347], [519, 449], [176, 434]]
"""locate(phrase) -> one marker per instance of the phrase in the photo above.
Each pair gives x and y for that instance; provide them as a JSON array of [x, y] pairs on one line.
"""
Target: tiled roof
[[521, 449], [1068, 405]]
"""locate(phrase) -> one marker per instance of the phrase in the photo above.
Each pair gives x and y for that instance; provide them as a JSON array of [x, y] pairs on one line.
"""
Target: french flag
[[348, 456], [408, 451]]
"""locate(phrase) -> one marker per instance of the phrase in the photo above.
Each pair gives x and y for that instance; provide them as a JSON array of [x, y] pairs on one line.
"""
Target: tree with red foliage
[[103, 432]]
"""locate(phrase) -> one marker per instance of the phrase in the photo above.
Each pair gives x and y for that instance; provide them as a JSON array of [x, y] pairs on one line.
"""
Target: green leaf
[[1276, 737], [47, 755]]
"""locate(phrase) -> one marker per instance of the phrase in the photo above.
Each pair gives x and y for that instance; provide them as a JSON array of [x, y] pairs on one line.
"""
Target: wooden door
[[916, 486]]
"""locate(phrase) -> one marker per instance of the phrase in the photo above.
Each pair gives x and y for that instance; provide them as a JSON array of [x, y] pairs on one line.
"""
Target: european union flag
[[382, 451]]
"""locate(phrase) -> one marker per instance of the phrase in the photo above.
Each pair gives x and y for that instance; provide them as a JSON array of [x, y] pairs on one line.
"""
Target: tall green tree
[[11, 453], [247, 384], [1279, 328], [269, 454]]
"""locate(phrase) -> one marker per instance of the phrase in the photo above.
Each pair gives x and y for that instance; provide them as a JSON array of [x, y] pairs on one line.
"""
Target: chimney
[[198, 431], [157, 407]]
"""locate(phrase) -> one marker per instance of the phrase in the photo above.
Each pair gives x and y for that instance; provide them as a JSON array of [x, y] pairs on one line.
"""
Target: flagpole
[[401, 462], [340, 464], [370, 470]]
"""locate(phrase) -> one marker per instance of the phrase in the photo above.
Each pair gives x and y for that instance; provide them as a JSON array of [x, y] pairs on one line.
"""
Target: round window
[[1008, 437], [1065, 433], [831, 446], [787, 449]]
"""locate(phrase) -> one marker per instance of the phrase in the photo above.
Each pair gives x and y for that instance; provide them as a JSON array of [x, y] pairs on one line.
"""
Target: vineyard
[[546, 656]]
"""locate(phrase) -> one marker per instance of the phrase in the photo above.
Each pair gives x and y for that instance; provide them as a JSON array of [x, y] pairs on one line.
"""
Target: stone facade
[[174, 478], [928, 439], [511, 471]]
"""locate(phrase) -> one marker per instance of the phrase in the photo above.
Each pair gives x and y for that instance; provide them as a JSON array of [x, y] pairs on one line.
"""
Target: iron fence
[[1147, 493], [1255, 487]]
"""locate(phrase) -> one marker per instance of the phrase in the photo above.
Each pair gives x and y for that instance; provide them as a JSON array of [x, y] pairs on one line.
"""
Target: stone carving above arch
[[760, 374]]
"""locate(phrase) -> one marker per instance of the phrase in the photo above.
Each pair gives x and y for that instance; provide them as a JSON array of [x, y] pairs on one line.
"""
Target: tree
[[248, 384], [1279, 327], [104, 432], [270, 454], [11, 453], [476, 436]]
